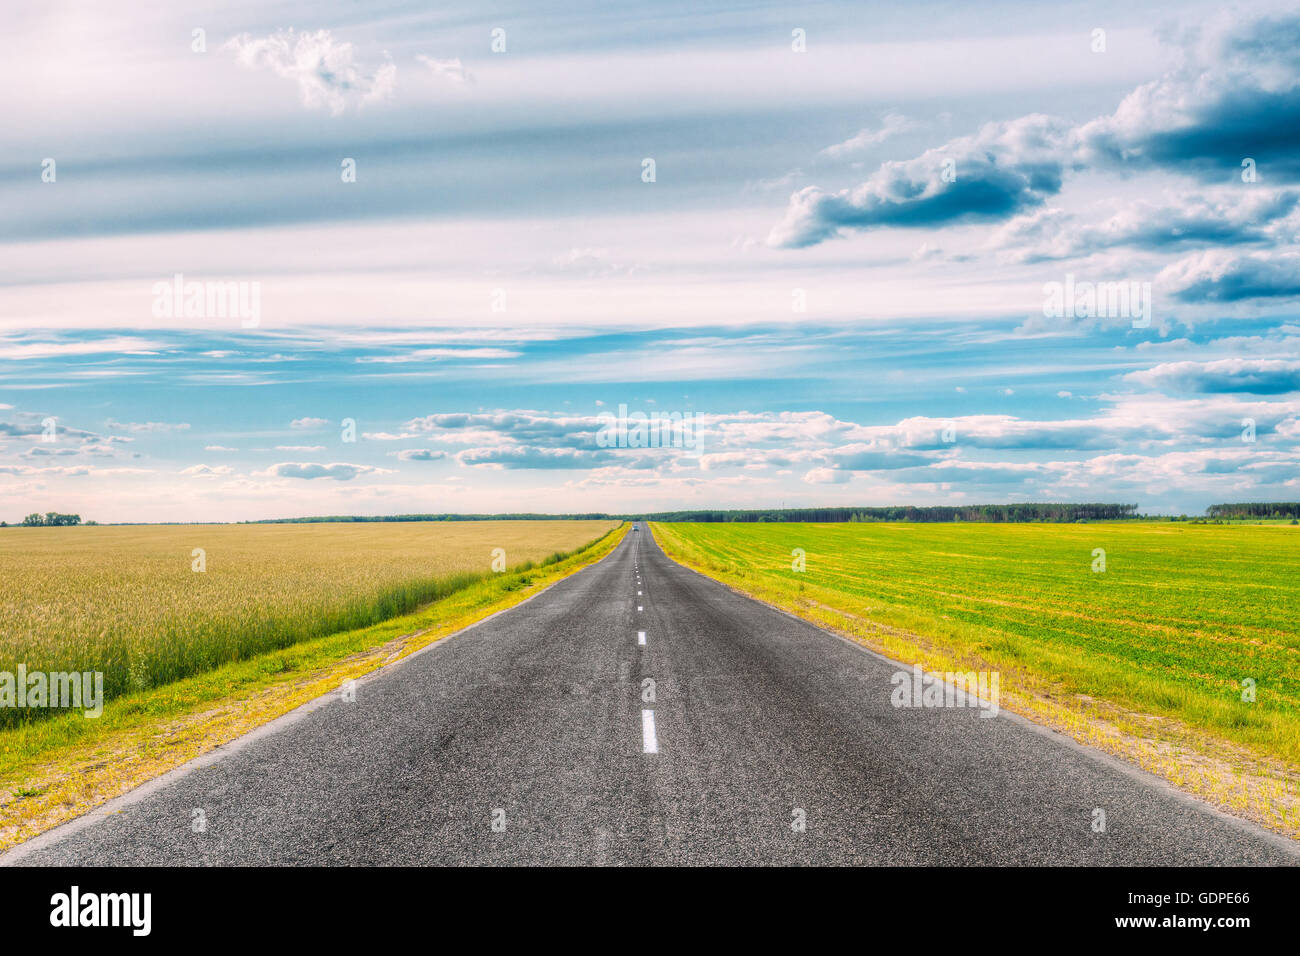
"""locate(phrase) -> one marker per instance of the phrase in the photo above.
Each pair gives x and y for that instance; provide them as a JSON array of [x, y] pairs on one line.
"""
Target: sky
[[277, 259]]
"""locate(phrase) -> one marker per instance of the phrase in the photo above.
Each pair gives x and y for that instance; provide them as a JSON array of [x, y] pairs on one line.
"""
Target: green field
[[128, 601], [1180, 617]]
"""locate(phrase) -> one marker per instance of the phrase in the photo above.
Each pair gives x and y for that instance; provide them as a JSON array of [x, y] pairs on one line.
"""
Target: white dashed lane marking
[[640, 638], [649, 743]]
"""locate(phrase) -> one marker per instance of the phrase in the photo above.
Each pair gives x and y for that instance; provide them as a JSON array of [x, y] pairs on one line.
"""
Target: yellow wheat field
[[128, 601]]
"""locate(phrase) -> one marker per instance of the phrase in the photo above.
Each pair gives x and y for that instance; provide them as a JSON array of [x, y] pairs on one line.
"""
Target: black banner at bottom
[[334, 906]]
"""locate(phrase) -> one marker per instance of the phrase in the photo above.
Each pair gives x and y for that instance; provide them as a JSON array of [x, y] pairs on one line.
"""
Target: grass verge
[[56, 769]]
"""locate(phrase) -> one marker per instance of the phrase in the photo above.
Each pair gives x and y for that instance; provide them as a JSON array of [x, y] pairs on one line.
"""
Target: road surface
[[532, 738]]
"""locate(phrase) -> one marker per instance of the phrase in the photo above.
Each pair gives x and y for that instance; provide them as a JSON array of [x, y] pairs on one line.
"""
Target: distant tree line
[[590, 516], [1255, 509], [989, 513], [1028, 511], [50, 519]]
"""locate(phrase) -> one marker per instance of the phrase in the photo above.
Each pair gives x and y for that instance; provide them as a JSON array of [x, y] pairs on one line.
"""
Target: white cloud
[[827, 476], [207, 471], [338, 471], [1258, 376], [19, 350], [1222, 275], [451, 70], [424, 355], [421, 454], [891, 125], [147, 426], [324, 69]]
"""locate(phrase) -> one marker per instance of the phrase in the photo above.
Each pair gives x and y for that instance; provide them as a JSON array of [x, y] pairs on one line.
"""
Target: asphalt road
[[526, 740]]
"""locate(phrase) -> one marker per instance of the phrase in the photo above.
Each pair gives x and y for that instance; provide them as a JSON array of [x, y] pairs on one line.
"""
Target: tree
[[51, 519]]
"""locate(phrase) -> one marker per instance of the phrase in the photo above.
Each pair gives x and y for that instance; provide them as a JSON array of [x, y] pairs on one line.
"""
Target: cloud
[[424, 355], [874, 456], [100, 451], [339, 471], [324, 70], [926, 250], [521, 426], [528, 456], [1220, 275], [1257, 376], [451, 70], [421, 454], [1228, 218], [117, 345], [977, 472], [1235, 96], [891, 125], [309, 422], [784, 181], [299, 447], [1237, 92], [587, 261], [1004, 168], [827, 476], [70, 471], [31, 425], [147, 426], [207, 471]]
